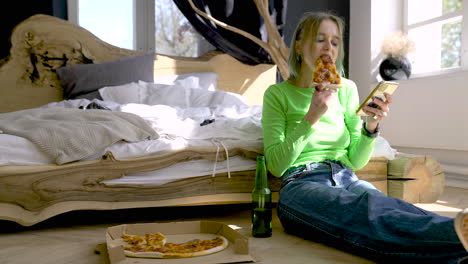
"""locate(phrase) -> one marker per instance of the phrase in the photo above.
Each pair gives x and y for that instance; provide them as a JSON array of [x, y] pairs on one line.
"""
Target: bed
[[203, 129]]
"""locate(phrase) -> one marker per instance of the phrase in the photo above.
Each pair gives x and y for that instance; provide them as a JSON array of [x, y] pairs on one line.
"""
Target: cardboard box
[[236, 252]]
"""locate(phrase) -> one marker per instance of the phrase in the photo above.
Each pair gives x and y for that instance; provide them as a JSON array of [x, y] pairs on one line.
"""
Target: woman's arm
[[280, 150], [361, 146]]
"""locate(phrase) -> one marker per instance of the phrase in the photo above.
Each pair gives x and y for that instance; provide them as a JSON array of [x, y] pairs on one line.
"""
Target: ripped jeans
[[326, 202]]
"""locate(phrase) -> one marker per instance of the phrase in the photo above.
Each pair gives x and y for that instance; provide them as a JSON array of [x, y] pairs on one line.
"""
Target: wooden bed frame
[[31, 194]]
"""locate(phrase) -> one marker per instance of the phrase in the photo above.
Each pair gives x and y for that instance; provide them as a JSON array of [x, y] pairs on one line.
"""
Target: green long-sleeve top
[[289, 140]]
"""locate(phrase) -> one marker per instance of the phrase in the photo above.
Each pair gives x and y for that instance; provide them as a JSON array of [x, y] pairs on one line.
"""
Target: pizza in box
[[157, 245]]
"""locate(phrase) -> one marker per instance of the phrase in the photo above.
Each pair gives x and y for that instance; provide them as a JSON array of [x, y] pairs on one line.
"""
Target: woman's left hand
[[377, 114]]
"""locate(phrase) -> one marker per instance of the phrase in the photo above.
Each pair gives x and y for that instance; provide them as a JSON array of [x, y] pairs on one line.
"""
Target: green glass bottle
[[261, 202]]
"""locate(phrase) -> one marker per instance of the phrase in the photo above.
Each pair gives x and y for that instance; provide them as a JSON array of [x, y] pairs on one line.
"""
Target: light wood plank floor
[[73, 237]]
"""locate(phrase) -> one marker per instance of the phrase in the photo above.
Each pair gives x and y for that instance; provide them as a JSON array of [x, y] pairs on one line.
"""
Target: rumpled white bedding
[[231, 123], [178, 128]]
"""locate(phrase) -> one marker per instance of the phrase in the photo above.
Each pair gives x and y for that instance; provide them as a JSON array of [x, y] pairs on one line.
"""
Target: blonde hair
[[309, 25]]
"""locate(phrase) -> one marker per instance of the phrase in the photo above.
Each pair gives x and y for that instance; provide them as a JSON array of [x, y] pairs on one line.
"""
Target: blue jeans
[[327, 203]]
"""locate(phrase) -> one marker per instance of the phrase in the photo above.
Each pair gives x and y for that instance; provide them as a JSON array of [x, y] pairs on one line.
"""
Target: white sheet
[[183, 170]]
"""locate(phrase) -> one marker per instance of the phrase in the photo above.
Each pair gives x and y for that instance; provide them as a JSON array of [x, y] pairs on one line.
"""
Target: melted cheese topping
[[325, 70]]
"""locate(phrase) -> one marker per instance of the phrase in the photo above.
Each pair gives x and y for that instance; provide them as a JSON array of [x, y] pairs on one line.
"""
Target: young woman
[[314, 140]]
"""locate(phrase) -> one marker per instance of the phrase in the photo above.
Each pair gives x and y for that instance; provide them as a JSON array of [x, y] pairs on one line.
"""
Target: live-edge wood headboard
[[42, 43]]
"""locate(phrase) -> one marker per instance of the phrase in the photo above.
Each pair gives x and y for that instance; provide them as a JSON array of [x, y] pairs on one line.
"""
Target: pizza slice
[[155, 239], [325, 70], [187, 249], [134, 239]]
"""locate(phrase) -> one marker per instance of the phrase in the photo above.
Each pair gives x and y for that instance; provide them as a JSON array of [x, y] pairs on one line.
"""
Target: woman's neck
[[304, 80]]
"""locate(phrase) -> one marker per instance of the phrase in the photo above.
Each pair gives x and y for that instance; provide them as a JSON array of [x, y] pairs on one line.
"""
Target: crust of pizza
[[325, 70], [173, 250]]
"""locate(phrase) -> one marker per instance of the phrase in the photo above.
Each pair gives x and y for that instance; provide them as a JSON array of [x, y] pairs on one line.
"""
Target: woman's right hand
[[321, 100]]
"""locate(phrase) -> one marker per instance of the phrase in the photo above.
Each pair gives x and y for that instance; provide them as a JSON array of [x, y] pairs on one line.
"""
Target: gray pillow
[[84, 80]]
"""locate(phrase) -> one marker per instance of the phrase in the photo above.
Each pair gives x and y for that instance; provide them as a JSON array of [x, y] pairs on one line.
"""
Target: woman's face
[[326, 43]]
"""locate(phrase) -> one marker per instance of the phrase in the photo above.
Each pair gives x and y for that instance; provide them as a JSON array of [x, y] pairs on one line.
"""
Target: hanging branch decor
[[275, 45]]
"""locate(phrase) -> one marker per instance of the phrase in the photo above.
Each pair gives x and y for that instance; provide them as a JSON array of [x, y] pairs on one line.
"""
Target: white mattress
[[20, 151]]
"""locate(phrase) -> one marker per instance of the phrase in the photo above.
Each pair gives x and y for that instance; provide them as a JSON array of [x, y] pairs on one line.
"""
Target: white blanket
[[68, 135], [201, 123]]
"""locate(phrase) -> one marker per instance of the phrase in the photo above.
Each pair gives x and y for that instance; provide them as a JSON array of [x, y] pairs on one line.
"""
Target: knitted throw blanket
[[72, 134]]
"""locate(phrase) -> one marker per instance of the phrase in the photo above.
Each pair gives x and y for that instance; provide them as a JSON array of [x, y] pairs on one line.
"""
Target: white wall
[[429, 115], [360, 44]]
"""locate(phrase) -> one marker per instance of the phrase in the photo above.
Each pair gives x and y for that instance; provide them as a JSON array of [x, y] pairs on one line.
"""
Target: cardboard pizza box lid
[[236, 252]]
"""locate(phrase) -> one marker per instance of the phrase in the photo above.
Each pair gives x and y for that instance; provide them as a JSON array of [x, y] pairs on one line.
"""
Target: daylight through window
[[174, 33], [436, 27], [124, 23]]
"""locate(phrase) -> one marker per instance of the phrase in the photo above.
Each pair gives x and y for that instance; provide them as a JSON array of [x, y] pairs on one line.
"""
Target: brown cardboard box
[[236, 252]]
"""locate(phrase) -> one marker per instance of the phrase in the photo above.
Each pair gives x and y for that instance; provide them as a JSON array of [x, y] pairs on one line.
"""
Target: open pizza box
[[236, 252]]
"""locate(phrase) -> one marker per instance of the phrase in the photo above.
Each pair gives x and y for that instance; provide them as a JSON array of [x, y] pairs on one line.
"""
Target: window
[[439, 32], [174, 33], [146, 25], [110, 20]]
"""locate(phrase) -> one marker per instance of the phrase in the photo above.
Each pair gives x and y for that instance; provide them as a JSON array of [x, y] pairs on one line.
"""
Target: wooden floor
[[73, 237]]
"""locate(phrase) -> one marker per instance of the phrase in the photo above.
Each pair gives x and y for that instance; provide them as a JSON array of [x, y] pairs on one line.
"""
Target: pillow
[[198, 80], [84, 80], [178, 96], [124, 94], [172, 95]]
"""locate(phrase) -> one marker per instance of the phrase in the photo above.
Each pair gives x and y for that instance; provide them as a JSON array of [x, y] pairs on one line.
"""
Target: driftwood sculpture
[[275, 45]]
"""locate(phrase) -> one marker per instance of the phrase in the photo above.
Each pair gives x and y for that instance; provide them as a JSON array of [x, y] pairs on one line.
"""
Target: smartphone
[[379, 91]]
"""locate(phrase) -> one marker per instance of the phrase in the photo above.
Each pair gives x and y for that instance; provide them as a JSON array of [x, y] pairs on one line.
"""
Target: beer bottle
[[261, 202]]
